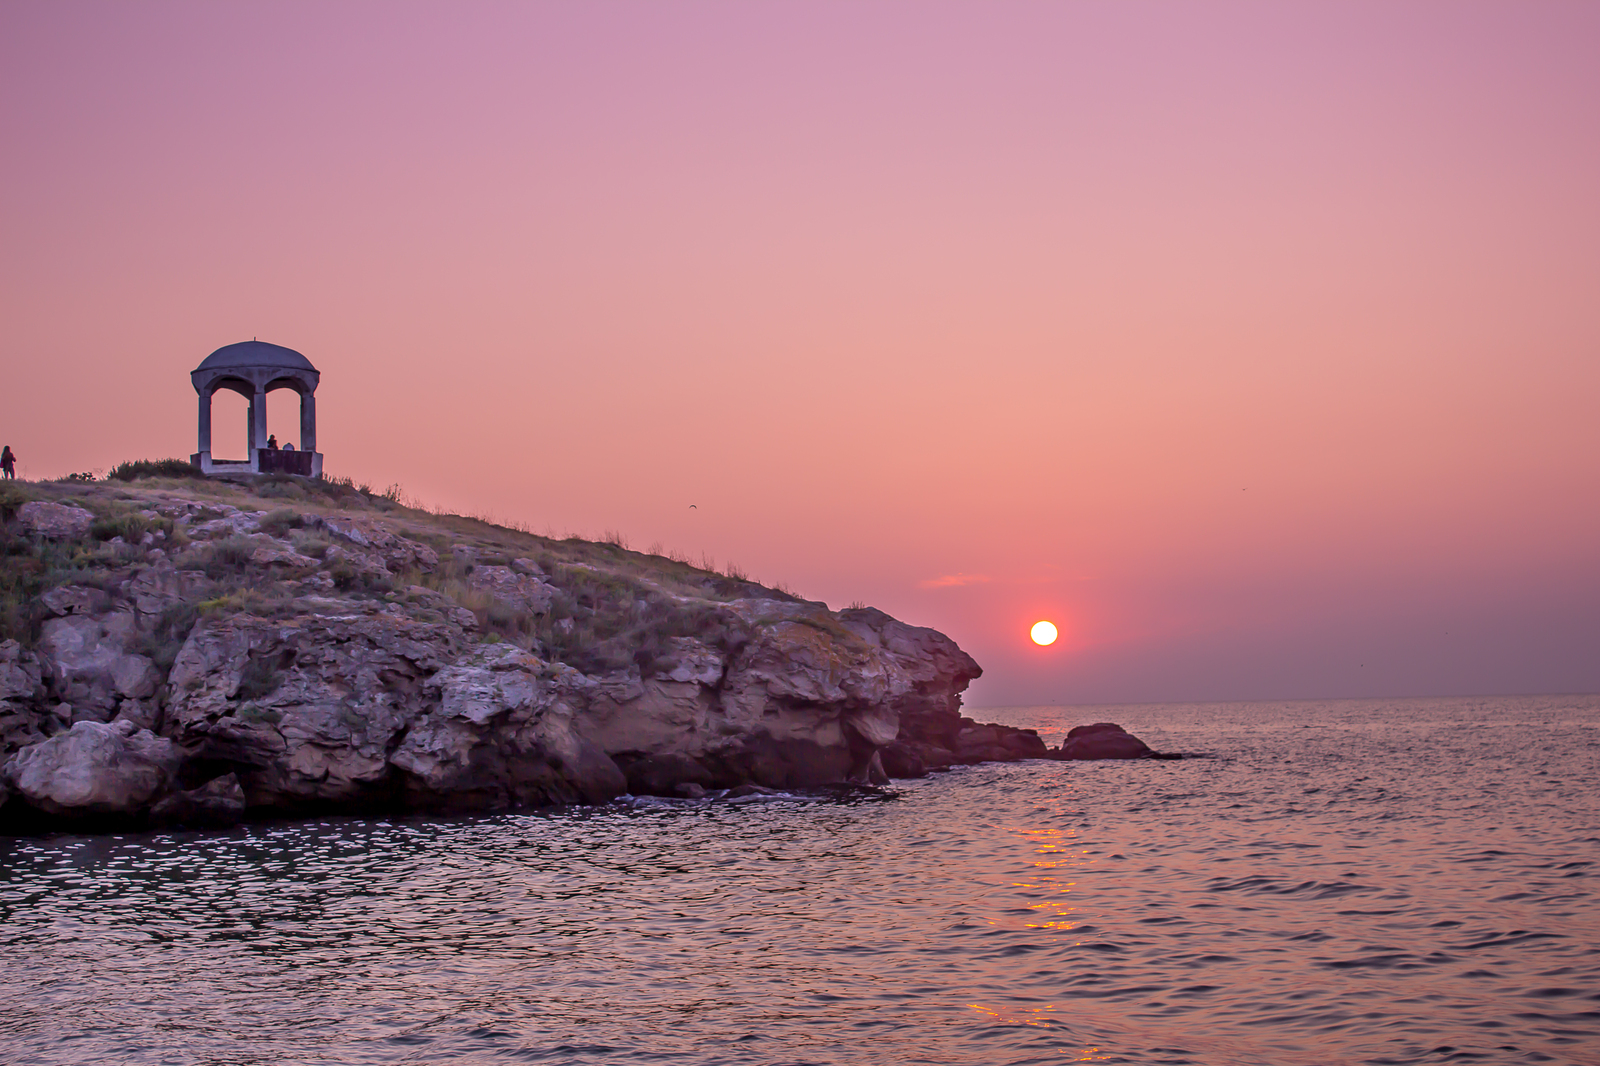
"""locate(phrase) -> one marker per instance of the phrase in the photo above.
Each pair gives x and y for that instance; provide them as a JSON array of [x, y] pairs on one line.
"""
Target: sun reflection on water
[[1042, 1018], [1052, 851]]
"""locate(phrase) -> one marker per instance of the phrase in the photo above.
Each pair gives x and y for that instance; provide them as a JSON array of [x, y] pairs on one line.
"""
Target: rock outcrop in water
[[1102, 740], [192, 651]]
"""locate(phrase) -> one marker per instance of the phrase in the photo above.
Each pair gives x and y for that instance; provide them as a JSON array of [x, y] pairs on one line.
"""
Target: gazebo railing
[[274, 461]]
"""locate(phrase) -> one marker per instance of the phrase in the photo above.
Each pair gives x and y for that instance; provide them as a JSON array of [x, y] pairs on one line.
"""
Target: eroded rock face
[[804, 697], [501, 734], [930, 710], [94, 769], [218, 802], [307, 707]]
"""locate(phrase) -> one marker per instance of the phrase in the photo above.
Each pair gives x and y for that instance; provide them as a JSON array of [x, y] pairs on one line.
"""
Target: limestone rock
[[501, 736], [90, 712], [162, 587], [793, 698], [1102, 740], [233, 522], [935, 667], [21, 673], [977, 743], [91, 663], [877, 725], [397, 553], [144, 714], [495, 680], [362, 563], [94, 769], [57, 521], [276, 555], [75, 599], [307, 707], [693, 663], [344, 695]]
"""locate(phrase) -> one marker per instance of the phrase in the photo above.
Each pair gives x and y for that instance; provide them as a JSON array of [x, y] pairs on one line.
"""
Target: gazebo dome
[[255, 353]]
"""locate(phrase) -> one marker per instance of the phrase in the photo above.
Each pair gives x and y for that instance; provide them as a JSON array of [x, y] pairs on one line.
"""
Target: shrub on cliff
[[167, 634], [131, 526], [11, 500], [599, 641], [219, 559], [277, 523], [22, 579], [138, 468], [29, 567]]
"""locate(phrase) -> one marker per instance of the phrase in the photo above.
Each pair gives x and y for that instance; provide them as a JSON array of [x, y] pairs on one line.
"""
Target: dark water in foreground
[[1345, 882]]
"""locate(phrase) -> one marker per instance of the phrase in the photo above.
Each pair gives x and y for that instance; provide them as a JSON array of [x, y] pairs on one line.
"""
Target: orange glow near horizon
[[1253, 345]]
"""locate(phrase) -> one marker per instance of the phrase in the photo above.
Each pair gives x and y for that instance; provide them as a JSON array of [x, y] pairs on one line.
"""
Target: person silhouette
[[272, 443], [8, 463]]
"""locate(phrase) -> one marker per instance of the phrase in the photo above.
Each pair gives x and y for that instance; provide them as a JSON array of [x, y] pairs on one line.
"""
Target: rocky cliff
[[193, 650]]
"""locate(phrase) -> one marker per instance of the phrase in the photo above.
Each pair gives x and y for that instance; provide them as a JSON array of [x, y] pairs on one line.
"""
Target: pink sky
[[1257, 345]]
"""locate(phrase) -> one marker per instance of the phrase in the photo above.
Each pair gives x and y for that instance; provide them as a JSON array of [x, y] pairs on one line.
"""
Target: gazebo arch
[[253, 369]]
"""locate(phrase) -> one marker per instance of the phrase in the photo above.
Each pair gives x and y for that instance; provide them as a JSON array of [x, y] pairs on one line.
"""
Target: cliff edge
[[191, 650]]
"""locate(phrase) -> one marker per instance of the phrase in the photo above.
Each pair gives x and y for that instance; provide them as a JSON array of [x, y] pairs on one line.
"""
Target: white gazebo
[[253, 369]]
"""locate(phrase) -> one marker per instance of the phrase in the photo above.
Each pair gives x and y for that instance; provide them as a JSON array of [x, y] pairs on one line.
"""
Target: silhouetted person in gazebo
[[8, 463], [272, 443]]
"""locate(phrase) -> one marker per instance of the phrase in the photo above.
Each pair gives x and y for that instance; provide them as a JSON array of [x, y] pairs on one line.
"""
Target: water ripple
[[1314, 892]]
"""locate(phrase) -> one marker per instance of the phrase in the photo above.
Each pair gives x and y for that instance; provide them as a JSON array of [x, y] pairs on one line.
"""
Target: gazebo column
[[308, 422], [205, 422], [258, 422]]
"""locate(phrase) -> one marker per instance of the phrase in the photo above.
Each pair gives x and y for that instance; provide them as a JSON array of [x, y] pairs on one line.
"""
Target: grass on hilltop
[[613, 607]]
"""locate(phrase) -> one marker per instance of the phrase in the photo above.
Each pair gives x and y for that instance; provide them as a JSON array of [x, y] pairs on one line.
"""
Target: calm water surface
[[1342, 882]]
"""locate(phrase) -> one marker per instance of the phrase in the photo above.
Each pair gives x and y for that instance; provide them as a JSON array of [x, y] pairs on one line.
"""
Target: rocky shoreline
[[198, 652]]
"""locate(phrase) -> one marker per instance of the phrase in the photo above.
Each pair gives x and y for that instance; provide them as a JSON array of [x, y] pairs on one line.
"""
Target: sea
[[1366, 881]]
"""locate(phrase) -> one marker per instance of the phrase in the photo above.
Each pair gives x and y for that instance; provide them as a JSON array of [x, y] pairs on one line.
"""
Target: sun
[[1043, 633]]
